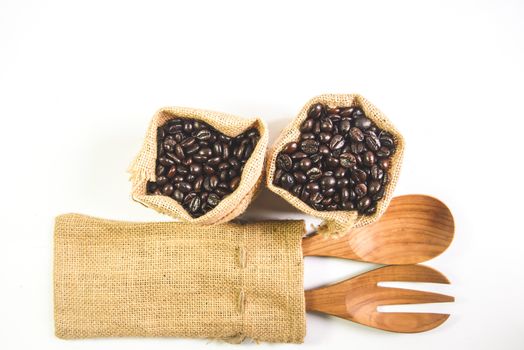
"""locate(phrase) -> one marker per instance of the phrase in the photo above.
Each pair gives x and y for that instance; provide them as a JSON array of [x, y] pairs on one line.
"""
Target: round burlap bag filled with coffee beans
[[199, 166], [338, 160]]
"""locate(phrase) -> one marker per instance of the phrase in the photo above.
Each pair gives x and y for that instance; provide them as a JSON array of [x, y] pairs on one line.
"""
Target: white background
[[80, 82]]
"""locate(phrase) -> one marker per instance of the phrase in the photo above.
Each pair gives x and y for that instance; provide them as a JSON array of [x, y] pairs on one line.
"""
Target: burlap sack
[[229, 281], [142, 169], [337, 223]]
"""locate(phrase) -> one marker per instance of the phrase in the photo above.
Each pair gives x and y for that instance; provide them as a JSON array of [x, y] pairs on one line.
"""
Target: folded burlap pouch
[[230, 281], [142, 169], [337, 223]]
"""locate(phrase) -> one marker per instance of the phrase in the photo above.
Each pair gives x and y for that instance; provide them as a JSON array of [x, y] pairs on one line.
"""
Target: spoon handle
[[318, 245]]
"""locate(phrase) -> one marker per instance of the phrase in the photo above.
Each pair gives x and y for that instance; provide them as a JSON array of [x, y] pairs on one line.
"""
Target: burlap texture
[[227, 281], [142, 169], [337, 223]]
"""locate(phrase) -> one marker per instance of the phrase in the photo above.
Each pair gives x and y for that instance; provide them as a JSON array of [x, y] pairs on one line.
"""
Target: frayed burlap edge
[[142, 169], [337, 223]]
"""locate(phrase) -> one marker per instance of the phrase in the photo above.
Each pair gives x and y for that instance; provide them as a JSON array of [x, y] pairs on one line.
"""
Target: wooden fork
[[356, 299]]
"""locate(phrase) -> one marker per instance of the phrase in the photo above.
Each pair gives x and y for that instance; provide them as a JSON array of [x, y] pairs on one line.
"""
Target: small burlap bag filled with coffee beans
[[363, 164], [228, 282], [144, 168]]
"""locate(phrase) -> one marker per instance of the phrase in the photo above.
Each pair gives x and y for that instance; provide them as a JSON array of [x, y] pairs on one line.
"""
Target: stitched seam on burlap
[[289, 278], [242, 257]]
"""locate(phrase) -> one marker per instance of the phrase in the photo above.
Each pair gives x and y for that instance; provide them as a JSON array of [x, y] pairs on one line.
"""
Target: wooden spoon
[[356, 299], [414, 228]]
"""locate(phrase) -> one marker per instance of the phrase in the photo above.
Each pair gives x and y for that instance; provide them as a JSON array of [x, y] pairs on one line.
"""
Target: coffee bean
[[284, 162], [172, 171], [355, 134], [376, 172], [337, 142], [326, 125], [316, 110], [383, 163], [363, 203], [316, 197], [233, 184], [291, 147], [312, 187], [298, 155], [178, 196], [309, 146], [327, 182], [195, 204], [213, 199], [361, 190], [287, 181], [193, 148], [347, 160], [368, 158], [203, 135], [300, 177], [307, 125], [305, 164], [383, 152], [339, 173], [324, 137], [314, 174], [372, 142], [374, 186], [184, 187], [345, 126], [363, 123]]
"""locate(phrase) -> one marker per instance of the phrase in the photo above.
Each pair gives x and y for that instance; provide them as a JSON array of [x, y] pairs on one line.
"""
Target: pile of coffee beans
[[197, 165], [341, 161]]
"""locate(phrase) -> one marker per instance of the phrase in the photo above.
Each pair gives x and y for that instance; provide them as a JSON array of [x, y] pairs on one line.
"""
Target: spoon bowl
[[414, 229]]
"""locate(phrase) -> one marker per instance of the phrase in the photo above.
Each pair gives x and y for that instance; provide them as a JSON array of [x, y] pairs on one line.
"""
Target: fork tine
[[407, 273], [399, 296], [407, 322]]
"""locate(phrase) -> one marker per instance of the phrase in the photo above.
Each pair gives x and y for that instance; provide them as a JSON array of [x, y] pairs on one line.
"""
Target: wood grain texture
[[414, 229], [356, 299]]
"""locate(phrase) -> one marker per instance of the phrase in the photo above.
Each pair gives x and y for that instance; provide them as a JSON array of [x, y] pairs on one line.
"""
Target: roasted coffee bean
[[314, 174], [198, 159], [347, 160], [300, 177], [184, 187], [357, 147], [372, 142], [376, 172], [233, 184], [214, 161], [309, 146], [327, 182], [151, 186], [363, 203], [337, 142], [193, 148], [316, 197], [362, 123], [298, 155], [374, 186], [345, 126], [195, 169], [188, 142], [287, 181], [166, 161], [203, 135], [383, 152], [316, 110], [290, 148], [305, 164], [307, 125], [296, 190], [361, 190], [341, 155], [208, 170], [213, 199], [324, 137], [195, 204], [221, 192], [339, 173], [178, 196], [171, 172], [326, 125], [205, 152], [368, 158], [197, 186], [161, 180], [312, 187], [383, 163], [284, 162]]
